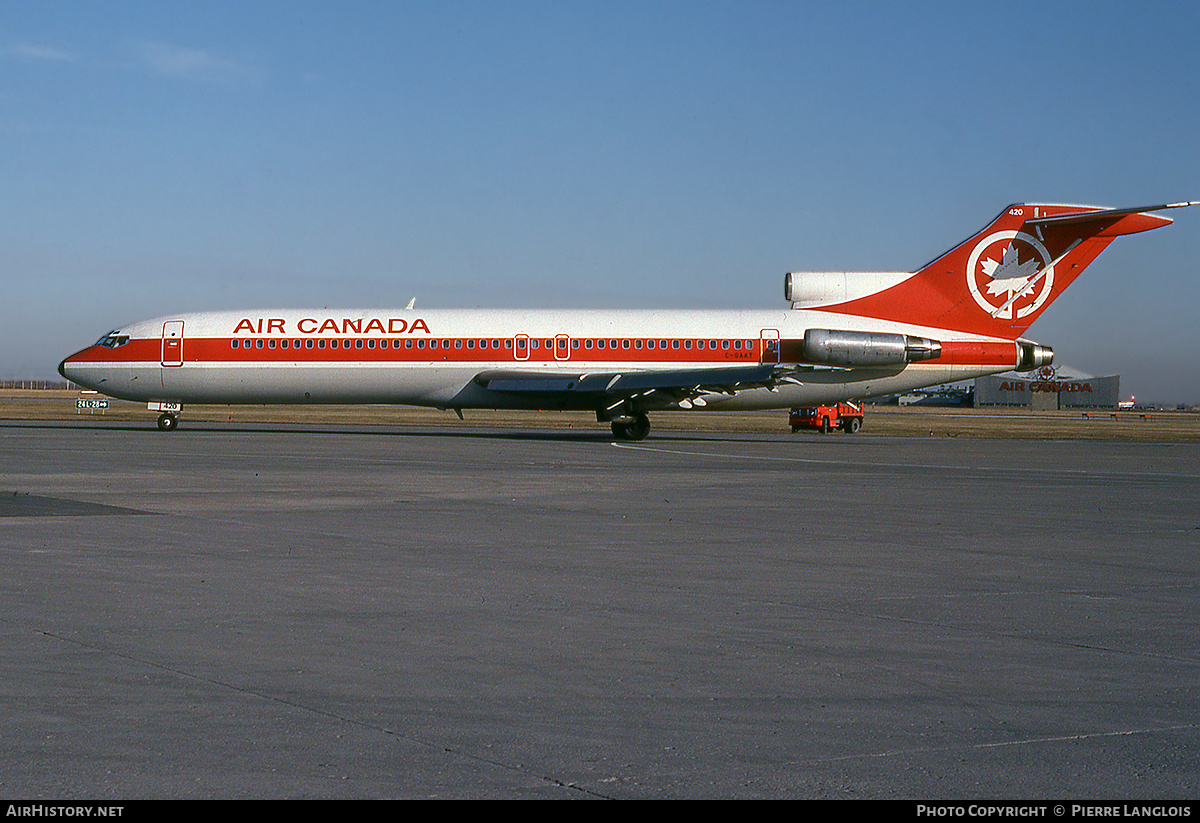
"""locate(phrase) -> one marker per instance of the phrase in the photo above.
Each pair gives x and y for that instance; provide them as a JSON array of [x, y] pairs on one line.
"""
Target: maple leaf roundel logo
[[1008, 276]]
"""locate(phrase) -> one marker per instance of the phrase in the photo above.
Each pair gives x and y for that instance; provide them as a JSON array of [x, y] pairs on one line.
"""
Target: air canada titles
[[345, 325]]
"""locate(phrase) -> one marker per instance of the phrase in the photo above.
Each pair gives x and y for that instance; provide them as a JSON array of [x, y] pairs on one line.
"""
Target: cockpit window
[[113, 340]]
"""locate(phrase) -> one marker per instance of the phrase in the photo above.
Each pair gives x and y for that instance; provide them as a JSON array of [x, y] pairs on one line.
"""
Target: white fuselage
[[432, 357]]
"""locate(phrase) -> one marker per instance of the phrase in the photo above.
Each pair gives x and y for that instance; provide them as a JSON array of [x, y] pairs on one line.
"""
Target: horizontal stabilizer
[[1104, 214]]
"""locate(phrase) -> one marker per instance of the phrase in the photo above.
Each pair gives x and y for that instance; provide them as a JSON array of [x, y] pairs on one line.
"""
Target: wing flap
[[618, 383]]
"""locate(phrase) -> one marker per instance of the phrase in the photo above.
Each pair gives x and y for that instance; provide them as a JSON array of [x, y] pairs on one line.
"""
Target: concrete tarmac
[[333, 611]]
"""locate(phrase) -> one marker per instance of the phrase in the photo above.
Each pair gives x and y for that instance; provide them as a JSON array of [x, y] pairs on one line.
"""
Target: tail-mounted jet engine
[[1034, 356], [846, 349]]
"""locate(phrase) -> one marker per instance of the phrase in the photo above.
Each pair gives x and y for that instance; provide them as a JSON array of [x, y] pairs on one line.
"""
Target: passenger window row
[[522, 343]]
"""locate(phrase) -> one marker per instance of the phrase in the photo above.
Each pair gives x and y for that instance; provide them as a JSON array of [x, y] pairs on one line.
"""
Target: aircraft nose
[[67, 369]]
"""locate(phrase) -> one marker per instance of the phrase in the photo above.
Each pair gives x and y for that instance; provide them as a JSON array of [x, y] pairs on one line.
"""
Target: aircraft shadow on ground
[[571, 436]]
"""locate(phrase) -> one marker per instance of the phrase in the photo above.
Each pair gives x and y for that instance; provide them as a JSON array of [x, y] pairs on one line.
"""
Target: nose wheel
[[168, 422]]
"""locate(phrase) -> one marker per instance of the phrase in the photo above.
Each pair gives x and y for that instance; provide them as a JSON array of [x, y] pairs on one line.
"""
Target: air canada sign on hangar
[[1046, 385], [1048, 388]]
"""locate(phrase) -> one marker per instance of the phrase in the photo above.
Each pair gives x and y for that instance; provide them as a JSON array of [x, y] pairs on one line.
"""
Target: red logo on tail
[[1008, 276]]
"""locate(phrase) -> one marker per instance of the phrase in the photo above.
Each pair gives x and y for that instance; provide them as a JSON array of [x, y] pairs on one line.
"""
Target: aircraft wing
[[612, 387]]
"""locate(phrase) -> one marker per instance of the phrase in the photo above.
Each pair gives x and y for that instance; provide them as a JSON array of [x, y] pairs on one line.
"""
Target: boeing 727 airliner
[[846, 335]]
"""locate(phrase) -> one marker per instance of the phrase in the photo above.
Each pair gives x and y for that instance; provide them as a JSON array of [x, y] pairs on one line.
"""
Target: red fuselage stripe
[[486, 351]]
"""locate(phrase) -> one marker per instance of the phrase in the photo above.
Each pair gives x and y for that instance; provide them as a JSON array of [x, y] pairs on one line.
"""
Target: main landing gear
[[168, 422], [634, 427]]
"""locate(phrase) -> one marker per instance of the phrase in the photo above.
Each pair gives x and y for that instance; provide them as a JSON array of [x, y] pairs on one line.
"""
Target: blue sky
[[165, 157]]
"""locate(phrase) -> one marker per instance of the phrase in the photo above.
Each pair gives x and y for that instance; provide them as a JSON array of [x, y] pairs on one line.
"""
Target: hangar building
[[1050, 387]]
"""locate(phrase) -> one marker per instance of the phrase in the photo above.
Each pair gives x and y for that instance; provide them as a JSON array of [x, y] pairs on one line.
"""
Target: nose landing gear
[[168, 420]]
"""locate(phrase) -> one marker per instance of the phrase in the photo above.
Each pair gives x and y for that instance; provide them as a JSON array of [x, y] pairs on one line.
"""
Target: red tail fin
[[1000, 280]]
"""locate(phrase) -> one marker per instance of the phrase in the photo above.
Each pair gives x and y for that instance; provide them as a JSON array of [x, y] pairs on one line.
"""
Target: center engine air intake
[[833, 347], [807, 289]]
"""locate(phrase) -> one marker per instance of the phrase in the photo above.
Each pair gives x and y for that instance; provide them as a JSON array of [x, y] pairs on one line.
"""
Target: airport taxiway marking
[[1030, 741], [1018, 471]]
